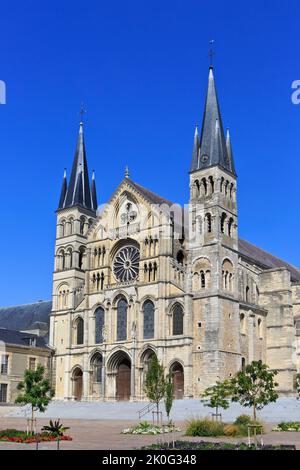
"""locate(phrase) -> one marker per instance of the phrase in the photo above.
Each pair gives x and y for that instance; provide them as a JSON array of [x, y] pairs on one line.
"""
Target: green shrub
[[12, 433], [288, 426], [243, 420], [204, 427]]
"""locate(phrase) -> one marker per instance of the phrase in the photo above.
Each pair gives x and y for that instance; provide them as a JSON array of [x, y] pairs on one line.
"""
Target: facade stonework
[[143, 276]]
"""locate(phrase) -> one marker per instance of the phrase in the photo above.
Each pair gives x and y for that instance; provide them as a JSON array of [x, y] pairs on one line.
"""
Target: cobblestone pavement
[[106, 434]]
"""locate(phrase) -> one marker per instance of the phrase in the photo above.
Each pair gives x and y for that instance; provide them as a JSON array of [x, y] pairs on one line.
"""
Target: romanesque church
[[141, 276]]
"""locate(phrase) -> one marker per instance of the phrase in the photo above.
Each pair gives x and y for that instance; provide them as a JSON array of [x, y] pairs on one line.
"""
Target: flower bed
[[288, 426], [14, 435], [202, 445], [150, 429]]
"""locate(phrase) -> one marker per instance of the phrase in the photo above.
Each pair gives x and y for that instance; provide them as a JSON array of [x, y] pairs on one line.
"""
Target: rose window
[[126, 264]]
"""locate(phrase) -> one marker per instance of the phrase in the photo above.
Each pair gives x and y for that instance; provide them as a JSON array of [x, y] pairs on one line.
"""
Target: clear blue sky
[[141, 69]]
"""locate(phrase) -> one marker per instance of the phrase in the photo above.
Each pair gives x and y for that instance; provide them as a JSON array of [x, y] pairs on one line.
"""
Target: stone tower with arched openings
[[75, 214], [213, 247]]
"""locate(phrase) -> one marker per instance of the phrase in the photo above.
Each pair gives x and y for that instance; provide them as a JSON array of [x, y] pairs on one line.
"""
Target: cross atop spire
[[211, 149], [82, 112]]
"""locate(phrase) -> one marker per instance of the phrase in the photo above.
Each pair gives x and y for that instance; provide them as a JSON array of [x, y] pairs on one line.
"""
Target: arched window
[[204, 184], [197, 186], [148, 314], [247, 294], [82, 222], [202, 279], [62, 259], [208, 222], [63, 228], [178, 320], [71, 222], [79, 330], [223, 219], [227, 275], [230, 226], [99, 324], [212, 184], [81, 256], [70, 258], [243, 365], [122, 320]]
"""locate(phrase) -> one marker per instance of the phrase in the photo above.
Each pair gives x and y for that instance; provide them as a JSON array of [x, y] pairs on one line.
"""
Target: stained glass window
[[99, 324], [178, 320], [79, 331], [122, 320], [148, 311]]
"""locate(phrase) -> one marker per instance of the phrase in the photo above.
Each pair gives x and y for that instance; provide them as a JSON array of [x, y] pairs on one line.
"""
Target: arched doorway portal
[[77, 384], [119, 367], [178, 380]]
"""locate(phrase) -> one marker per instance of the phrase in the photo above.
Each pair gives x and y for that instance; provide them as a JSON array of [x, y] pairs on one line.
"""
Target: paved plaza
[[285, 409]]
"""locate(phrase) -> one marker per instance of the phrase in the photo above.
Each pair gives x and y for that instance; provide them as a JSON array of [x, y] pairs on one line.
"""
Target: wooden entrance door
[[178, 381], [78, 385], [123, 381]]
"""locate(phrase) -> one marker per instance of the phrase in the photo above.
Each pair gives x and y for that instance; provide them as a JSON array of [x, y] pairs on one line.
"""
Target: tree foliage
[[255, 386], [169, 395], [35, 390], [217, 396], [155, 383]]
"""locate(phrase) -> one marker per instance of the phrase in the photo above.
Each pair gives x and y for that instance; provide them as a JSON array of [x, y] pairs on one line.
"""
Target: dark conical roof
[[78, 192], [94, 193], [211, 149], [63, 192]]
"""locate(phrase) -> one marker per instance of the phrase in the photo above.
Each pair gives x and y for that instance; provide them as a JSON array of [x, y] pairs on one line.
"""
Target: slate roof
[[78, 192], [266, 260], [211, 149], [20, 317], [152, 197], [21, 339]]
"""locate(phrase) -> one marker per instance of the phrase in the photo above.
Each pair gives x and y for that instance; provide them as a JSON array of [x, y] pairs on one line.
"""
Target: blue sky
[[141, 69]]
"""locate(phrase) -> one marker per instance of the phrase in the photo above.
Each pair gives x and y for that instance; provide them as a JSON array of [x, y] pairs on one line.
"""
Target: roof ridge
[[139, 186], [29, 303]]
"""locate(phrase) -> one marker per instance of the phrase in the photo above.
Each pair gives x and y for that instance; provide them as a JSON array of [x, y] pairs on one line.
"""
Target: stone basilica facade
[[142, 276]]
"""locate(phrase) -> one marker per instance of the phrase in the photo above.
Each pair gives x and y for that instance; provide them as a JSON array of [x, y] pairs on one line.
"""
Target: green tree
[[169, 395], [155, 383], [255, 386], [35, 390], [217, 396]]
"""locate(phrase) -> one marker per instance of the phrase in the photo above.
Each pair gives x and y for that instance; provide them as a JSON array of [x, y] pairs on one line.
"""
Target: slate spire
[[94, 192], [63, 192], [212, 149], [78, 192], [229, 151]]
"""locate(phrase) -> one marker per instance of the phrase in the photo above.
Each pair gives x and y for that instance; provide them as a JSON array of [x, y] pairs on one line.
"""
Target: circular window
[[126, 263]]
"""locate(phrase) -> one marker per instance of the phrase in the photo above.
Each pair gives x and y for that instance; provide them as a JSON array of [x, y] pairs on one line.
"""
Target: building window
[[208, 222], [79, 330], [32, 363], [178, 320], [148, 313], [99, 324], [4, 365], [3, 393], [122, 320]]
